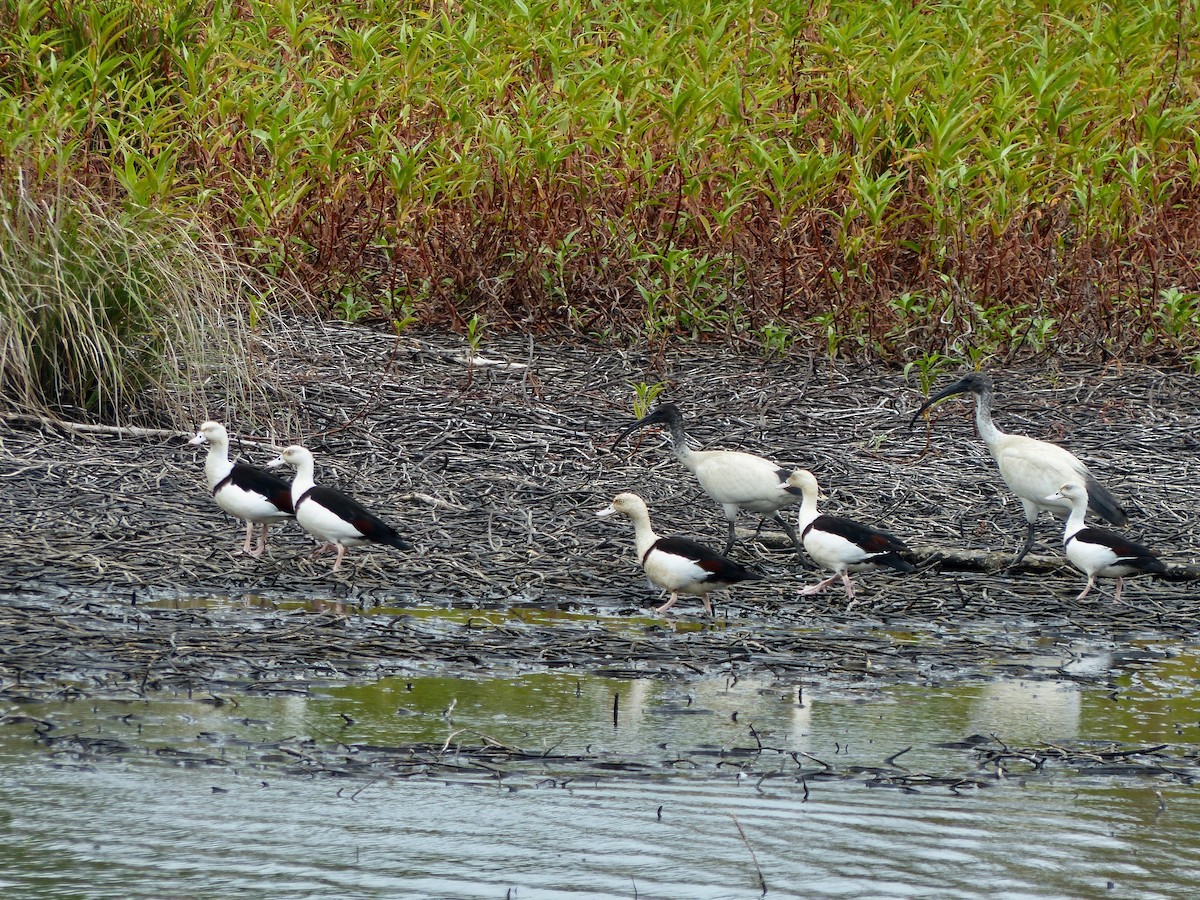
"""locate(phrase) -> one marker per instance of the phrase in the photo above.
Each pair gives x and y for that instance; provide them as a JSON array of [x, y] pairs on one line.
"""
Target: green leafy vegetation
[[644, 395], [872, 178]]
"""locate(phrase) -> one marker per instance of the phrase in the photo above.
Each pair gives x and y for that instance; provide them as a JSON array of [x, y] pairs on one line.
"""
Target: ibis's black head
[[972, 383], [666, 413]]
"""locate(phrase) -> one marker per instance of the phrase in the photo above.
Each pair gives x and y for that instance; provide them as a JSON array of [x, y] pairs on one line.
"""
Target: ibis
[[1032, 469], [1098, 551], [842, 545], [243, 491], [677, 564], [734, 479], [328, 514]]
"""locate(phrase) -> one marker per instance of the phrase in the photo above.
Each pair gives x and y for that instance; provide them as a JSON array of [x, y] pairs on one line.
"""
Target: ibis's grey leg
[[1028, 546], [791, 533], [796, 539]]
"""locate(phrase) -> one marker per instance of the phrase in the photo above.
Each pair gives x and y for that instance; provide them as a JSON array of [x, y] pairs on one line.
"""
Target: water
[[189, 798], [128, 833]]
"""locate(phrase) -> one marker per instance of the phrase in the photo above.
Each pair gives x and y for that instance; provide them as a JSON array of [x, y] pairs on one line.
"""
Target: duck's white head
[[294, 456], [212, 434], [805, 481], [627, 504], [1074, 493]]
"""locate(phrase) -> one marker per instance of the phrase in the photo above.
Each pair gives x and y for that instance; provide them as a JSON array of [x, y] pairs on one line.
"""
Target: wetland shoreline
[[117, 565]]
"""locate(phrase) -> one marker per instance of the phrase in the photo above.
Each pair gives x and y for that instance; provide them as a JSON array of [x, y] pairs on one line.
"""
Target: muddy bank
[[495, 472]]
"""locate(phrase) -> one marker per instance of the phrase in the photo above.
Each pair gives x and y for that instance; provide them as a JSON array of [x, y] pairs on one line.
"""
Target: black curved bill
[[962, 386], [661, 414]]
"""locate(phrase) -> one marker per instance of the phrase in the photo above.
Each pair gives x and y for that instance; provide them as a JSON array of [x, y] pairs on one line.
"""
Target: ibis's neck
[[679, 445], [217, 465], [303, 480], [988, 431]]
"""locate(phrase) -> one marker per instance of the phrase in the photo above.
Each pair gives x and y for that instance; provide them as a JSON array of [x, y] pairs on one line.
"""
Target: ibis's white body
[[735, 479], [738, 480], [1032, 469]]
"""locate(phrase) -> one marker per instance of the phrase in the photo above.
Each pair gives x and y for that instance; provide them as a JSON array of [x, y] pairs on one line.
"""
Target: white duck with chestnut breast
[[736, 480], [1098, 551], [842, 545], [1033, 469], [243, 491], [331, 516], [676, 564]]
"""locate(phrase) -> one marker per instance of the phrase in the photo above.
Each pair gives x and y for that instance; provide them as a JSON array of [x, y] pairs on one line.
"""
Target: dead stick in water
[[745, 840]]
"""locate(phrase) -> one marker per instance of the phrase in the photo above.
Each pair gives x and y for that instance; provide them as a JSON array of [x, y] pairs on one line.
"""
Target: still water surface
[[149, 823]]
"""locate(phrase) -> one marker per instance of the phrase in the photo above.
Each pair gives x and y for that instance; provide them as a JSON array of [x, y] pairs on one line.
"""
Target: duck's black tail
[[894, 561], [393, 539]]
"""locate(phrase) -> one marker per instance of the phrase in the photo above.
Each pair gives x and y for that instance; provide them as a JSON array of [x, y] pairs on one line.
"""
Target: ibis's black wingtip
[[1104, 504]]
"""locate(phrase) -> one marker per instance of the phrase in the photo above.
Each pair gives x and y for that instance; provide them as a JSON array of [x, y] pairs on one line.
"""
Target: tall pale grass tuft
[[115, 316]]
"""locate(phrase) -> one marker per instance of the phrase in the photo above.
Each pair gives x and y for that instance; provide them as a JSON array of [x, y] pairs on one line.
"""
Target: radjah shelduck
[[734, 479], [676, 564], [841, 545], [243, 491], [331, 516], [1032, 469], [1098, 551]]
